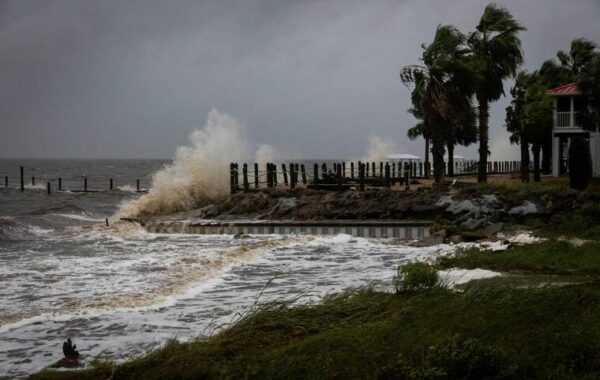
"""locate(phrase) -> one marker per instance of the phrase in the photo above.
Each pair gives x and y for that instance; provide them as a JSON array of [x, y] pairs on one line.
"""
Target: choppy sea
[[120, 291]]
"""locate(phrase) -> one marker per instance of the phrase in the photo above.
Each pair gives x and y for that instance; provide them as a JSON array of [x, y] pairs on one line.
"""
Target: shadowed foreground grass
[[487, 331]]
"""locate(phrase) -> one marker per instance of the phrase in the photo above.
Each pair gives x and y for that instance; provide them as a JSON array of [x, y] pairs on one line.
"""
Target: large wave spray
[[200, 172]]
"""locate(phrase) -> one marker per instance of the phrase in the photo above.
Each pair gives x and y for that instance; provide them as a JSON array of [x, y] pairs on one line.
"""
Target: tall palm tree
[[444, 79], [497, 53]]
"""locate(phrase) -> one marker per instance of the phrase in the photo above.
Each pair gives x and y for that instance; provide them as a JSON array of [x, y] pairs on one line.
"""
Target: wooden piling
[[22, 180], [48, 188], [316, 176], [256, 175], [231, 183], [84, 183], [32, 181], [60, 184], [373, 169], [292, 176], [361, 175], [236, 176], [274, 174], [303, 170], [352, 170], [6, 181], [137, 185], [339, 177], [407, 176], [245, 177], [381, 174], [110, 184], [285, 175], [387, 174], [366, 169], [344, 169]]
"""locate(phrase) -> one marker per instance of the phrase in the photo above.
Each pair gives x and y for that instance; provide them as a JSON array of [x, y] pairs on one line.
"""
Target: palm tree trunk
[[437, 151], [483, 138], [524, 159], [427, 163], [536, 162], [450, 158], [547, 154]]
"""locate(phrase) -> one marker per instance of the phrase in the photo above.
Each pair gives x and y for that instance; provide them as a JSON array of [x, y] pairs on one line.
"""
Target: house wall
[[595, 150]]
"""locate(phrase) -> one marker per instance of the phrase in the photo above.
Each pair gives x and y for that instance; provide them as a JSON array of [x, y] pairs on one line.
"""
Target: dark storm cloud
[[106, 78]]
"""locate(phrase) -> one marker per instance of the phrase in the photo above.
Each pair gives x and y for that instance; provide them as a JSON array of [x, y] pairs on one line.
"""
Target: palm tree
[[443, 81], [497, 54], [421, 128]]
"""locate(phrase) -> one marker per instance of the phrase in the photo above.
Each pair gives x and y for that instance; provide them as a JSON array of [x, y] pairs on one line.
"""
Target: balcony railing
[[563, 120]]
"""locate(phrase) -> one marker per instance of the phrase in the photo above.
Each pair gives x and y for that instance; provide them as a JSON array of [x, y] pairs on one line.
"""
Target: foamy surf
[[199, 173]]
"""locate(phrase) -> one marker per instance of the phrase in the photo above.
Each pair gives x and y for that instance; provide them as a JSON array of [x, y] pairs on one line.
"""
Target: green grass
[[548, 257], [487, 331]]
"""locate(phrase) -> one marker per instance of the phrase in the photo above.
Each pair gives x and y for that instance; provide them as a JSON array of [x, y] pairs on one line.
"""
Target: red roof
[[566, 89]]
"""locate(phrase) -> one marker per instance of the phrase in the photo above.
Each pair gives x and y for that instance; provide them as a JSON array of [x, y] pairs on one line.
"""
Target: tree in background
[[529, 120], [421, 128], [588, 82], [514, 125], [496, 49], [446, 79], [462, 132]]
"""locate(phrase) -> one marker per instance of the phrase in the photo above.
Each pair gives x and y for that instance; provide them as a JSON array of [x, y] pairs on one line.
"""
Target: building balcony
[[567, 120]]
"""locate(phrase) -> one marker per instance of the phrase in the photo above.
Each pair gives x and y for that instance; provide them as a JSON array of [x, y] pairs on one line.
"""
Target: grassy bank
[[487, 331]]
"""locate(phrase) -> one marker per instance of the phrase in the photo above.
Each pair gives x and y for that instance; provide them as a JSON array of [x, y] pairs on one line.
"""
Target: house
[[568, 104], [404, 157]]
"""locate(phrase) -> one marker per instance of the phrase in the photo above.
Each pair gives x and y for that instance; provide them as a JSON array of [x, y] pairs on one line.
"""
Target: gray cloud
[[82, 78]]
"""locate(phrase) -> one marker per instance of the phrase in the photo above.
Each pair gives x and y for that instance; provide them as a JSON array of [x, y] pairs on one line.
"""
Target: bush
[[580, 163], [415, 276]]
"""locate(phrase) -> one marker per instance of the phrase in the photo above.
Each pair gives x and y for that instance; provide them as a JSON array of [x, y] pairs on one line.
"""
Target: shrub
[[415, 276], [580, 163], [457, 358]]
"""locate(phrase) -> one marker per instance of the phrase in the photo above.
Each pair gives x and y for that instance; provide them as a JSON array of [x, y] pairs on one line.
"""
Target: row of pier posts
[[60, 184]]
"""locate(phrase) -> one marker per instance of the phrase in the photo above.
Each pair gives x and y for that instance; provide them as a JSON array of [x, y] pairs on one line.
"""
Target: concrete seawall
[[373, 229]]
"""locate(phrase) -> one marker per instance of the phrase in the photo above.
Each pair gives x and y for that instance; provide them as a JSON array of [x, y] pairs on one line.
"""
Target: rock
[[67, 363], [492, 229], [207, 211], [456, 239], [429, 241], [527, 208], [473, 224]]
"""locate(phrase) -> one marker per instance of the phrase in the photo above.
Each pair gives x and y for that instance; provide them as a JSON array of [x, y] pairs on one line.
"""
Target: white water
[[120, 291], [199, 172]]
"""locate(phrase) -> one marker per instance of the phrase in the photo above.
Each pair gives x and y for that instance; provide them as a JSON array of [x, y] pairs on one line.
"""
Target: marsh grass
[[547, 257], [504, 332]]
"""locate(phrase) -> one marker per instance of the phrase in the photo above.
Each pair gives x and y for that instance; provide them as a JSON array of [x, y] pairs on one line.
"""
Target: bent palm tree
[[497, 53], [443, 81]]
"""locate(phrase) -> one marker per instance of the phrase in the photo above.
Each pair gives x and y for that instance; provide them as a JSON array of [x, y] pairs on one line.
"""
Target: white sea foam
[[200, 172]]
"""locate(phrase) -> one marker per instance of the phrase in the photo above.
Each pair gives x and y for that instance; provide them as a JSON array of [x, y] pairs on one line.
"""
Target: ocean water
[[119, 291]]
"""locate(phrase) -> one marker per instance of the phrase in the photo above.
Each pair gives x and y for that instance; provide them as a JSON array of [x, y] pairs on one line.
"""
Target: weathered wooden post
[[352, 169], [231, 181], [361, 175], [344, 169], [407, 176], [339, 177], [245, 177], [110, 184], [285, 175], [137, 185], [256, 175], [237, 176], [292, 176], [303, 170], [324, 168], [387, 174], [381, 174], [316, 176], [48, 188], [268, 174], [274, 173], [373, 166], [22, 180], [366, 169], [32, 181], [5, 181]]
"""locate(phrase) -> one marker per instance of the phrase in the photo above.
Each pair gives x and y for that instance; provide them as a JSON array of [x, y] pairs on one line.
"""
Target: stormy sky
[[132, 79]]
